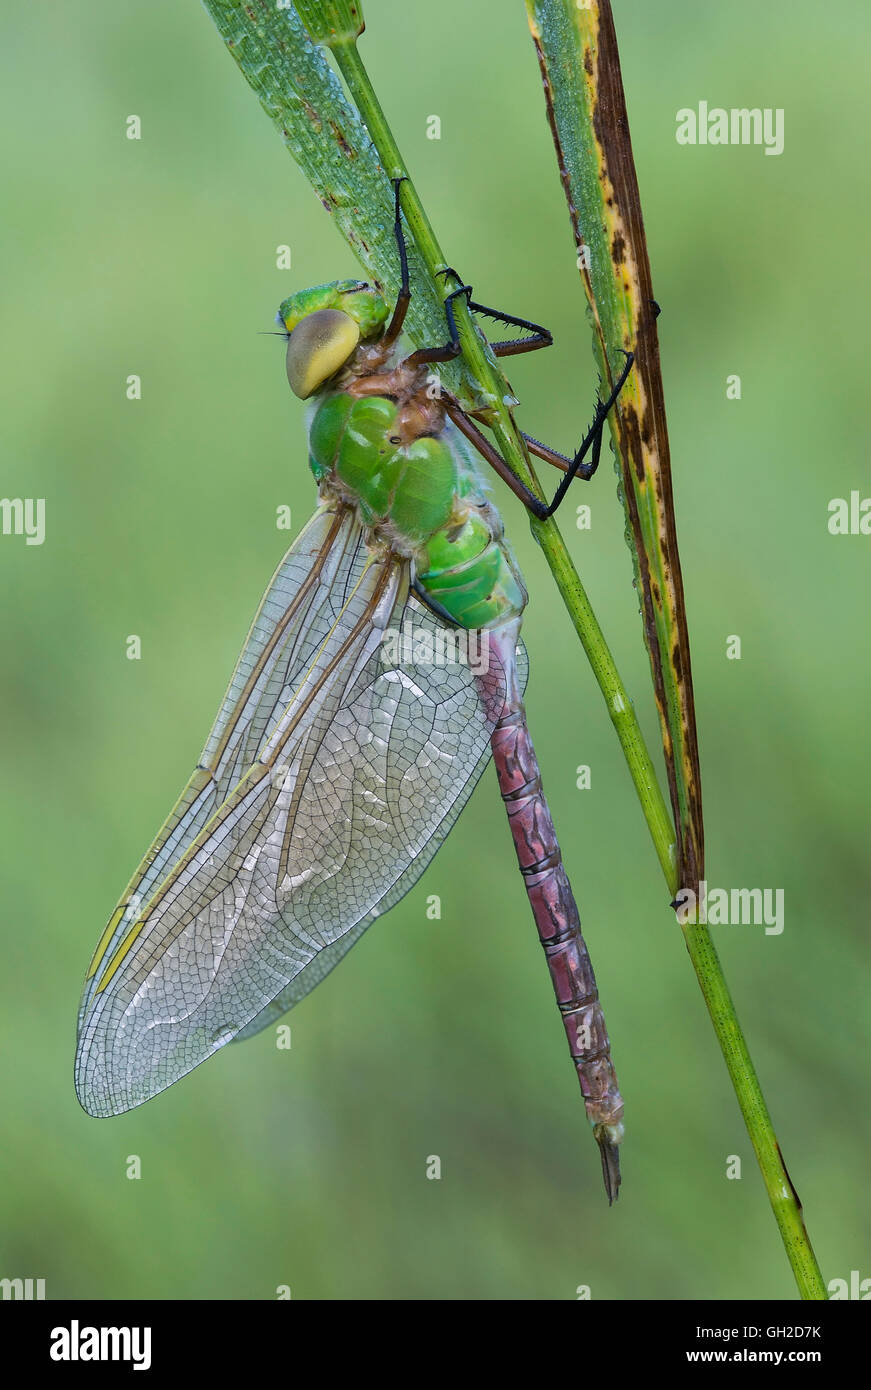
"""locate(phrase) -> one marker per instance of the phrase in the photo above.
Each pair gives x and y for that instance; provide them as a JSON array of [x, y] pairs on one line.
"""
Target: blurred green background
[[157, 257]]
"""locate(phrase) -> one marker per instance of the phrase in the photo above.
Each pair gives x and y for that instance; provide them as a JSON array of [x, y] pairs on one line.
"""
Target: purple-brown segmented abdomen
[[559, 928]]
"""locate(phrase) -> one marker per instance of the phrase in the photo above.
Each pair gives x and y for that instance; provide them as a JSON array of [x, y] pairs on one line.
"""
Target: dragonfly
[[354, 727]]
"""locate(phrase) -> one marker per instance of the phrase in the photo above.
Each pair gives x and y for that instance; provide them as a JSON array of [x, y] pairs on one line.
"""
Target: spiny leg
[[563, 461], [448, 351], [512, 347], [509, 347], [574, 467], [544, 451], [540, 337]]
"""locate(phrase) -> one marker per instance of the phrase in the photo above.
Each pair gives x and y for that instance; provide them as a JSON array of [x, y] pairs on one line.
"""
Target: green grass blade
[[580, 68], [303, 98], [331, 21]]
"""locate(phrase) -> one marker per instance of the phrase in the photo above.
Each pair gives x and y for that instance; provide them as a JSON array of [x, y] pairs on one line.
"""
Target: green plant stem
[[493, 391], [782, 1195]]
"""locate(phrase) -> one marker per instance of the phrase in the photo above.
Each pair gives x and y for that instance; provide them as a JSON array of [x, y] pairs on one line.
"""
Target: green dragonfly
[[354, 728]]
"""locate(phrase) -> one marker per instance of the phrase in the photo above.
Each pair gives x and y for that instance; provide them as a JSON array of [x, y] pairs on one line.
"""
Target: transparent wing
[[329, 780], [295, 615], [491, 691]]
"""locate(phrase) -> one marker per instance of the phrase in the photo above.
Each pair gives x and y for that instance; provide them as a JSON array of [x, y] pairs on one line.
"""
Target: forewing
[[327, 783], [296, 613]]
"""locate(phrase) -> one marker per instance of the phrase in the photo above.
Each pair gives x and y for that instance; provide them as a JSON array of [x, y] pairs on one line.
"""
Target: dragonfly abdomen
[[559, 929], [468, 572]]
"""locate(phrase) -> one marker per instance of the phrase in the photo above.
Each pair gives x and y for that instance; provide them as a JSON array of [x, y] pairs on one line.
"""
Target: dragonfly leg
[[449, 350], [574, 467], [586, 471], [394, 327], [403, 299], [539, 337], [512, 347], [466, 425]]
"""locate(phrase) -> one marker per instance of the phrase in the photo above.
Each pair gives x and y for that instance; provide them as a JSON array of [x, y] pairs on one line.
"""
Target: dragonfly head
[[325, 325]]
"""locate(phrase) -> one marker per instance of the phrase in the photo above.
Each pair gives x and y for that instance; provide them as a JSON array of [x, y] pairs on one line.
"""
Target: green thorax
[[425, 498]]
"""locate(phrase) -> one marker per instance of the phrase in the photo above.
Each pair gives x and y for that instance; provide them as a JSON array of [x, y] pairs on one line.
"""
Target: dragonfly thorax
[[382, 443]]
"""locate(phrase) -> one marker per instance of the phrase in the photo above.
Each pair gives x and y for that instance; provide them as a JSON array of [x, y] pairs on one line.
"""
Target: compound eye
[[320, 344]]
